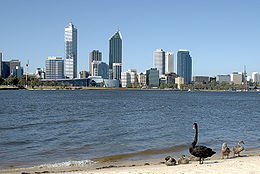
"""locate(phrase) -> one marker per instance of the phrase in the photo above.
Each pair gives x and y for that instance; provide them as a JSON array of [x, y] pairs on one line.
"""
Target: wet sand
[[248, 163]]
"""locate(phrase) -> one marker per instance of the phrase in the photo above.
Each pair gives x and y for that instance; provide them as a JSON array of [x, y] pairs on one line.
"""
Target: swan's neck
[[195, 138]]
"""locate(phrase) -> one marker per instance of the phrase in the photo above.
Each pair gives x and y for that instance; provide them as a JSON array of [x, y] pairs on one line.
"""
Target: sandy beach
[[248, 163]]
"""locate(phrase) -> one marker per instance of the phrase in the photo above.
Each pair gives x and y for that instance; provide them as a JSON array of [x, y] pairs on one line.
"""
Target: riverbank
[[248, 163]]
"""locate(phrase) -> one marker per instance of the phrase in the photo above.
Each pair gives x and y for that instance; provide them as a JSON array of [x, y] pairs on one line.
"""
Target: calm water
[[38, 127]]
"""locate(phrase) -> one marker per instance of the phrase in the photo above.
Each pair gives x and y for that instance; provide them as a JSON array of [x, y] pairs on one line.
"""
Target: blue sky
[[222, 35]]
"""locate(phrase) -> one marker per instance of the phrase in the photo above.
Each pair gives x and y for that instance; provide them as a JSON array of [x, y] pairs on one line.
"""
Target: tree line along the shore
[[34, 82]]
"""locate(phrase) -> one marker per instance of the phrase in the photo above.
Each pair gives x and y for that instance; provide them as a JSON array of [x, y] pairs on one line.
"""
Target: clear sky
[[222, 35]]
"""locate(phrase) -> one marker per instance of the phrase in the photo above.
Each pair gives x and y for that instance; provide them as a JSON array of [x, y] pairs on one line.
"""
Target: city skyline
[[220, 43]]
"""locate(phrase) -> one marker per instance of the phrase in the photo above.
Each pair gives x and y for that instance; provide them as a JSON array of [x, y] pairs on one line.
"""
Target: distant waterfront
[[38, 127]]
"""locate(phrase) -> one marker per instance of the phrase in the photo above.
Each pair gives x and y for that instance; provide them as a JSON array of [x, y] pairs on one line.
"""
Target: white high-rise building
[[70, 60], [169, 59], [256, 77], [159, 61]]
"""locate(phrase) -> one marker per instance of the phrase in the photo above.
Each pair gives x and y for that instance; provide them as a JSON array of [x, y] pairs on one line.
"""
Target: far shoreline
[[46, 88]]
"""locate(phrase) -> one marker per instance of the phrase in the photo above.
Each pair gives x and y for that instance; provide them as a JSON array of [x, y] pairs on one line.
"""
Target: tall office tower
[[115, 52], [94, 55], [159, 61], [1, 57], [54, 68], [70, 61], [169, 59], [184, 65], [117, 69]]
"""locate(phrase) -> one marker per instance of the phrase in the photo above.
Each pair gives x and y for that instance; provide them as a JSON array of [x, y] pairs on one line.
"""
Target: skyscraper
[[159, 61], [94, 55], [1, 57], [184, 65], [70, 61], [169, 62], [54, 68], [115, 51]]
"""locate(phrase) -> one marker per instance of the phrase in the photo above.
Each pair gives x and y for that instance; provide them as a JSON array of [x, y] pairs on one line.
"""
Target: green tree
[[2, 81], [12, 80]]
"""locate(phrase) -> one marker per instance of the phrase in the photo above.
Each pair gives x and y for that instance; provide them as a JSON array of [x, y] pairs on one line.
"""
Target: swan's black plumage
[[200, 151]]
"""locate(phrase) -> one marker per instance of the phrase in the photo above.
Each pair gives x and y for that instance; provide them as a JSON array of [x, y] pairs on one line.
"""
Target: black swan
[[199, 151]]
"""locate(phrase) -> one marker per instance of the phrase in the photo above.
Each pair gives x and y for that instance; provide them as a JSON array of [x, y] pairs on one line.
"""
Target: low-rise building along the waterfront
[[83, 74], [152, 77], [200, 79], [99, 68], [142, 79], [40, 73], [236, 78], [128, 78], [179, 81], [54, 68], [223, 78], [256, 77]]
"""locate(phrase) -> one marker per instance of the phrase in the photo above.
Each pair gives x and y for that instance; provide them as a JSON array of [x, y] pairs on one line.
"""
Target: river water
[[39, 127]]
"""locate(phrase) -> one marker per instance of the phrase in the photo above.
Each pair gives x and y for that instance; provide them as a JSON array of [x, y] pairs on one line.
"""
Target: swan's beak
[[193, 126]]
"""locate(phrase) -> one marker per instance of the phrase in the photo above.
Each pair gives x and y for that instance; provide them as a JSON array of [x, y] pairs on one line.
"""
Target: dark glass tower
[[184, 65], [115, 50]]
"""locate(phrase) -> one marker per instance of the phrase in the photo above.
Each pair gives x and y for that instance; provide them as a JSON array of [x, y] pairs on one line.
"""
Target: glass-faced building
[[184, 65], [70, 61], [115, 51], [99, 69], [159, 61], [152, 77], [54, 68]]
